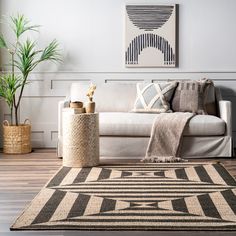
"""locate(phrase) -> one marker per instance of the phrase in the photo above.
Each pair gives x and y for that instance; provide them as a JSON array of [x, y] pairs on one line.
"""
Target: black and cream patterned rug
[[173, 196]]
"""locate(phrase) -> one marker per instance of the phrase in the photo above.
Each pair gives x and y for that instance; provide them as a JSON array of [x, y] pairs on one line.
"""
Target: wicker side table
[[80, 139]]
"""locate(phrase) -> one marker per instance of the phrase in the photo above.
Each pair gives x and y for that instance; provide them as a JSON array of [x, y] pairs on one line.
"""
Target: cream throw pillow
[[154, 97]]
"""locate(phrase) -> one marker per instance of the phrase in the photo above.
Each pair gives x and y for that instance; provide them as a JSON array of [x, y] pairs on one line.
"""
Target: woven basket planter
[[16, 139]]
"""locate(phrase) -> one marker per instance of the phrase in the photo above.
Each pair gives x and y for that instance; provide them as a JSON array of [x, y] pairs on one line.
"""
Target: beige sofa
[[126, 134]]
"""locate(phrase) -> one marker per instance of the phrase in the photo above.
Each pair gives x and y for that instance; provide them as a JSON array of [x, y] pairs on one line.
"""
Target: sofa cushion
[[140, 124], [205, 125], [109, 97], [125, 124], [154, 97]]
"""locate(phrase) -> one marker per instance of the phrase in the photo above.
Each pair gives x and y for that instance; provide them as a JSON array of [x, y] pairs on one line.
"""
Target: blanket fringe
[[164, 159]]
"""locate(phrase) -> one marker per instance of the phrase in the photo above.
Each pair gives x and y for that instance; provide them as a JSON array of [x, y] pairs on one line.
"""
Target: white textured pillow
[[154, 97]]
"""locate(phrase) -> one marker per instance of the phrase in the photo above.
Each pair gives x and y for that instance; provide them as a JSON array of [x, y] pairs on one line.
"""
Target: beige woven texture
[[80, 140], [17, 139]]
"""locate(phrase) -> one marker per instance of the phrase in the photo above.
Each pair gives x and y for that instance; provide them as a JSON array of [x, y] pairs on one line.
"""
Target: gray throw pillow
[[210, 99], [154, 97], [190, 97]]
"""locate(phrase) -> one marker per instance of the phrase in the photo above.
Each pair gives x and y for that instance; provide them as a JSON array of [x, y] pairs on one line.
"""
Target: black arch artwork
[[149, 17], [154, 27], [139, 43]]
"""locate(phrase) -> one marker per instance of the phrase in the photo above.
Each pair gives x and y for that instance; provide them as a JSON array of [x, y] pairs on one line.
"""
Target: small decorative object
[[75, 110], [24, 56], [76, 104], [79, 110], [150, 36], [90, 106]]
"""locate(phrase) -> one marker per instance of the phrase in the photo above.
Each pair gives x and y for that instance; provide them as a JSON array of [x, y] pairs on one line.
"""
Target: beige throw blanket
[[166, 136]]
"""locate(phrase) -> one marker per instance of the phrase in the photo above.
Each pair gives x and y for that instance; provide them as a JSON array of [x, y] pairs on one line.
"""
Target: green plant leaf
[[26, 57], [51, 52], [20, 25], [2, 42], [9, 84]]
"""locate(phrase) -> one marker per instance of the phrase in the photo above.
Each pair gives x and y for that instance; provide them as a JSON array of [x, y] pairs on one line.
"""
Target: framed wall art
[[150, 36]]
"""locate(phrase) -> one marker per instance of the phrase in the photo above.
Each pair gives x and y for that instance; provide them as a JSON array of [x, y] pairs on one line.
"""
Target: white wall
[[91, 35]]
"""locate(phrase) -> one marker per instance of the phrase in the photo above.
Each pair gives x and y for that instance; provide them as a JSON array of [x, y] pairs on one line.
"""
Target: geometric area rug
[[165, 196]]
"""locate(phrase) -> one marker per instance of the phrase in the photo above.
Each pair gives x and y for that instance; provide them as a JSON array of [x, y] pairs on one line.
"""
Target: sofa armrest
[[61, 105], [225, 113]]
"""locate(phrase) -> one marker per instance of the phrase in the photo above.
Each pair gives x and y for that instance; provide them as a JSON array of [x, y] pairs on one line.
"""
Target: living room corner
[[117, 117]]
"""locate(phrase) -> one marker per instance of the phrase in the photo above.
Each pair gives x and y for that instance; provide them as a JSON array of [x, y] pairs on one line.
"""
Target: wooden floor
[[22, 177]]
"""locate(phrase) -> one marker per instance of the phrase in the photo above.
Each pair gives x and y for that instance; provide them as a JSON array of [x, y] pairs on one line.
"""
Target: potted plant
[[24, 57]]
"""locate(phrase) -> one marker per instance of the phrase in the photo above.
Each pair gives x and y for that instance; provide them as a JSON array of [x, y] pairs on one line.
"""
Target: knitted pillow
[[209, 94], [190, 97], [154, 97]]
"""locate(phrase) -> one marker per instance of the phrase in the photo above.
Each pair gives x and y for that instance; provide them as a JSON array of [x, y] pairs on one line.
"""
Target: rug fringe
[[162, 159]]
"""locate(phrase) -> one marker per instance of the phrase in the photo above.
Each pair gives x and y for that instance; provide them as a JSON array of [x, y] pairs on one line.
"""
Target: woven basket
[[16, 139], [80, 139]]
